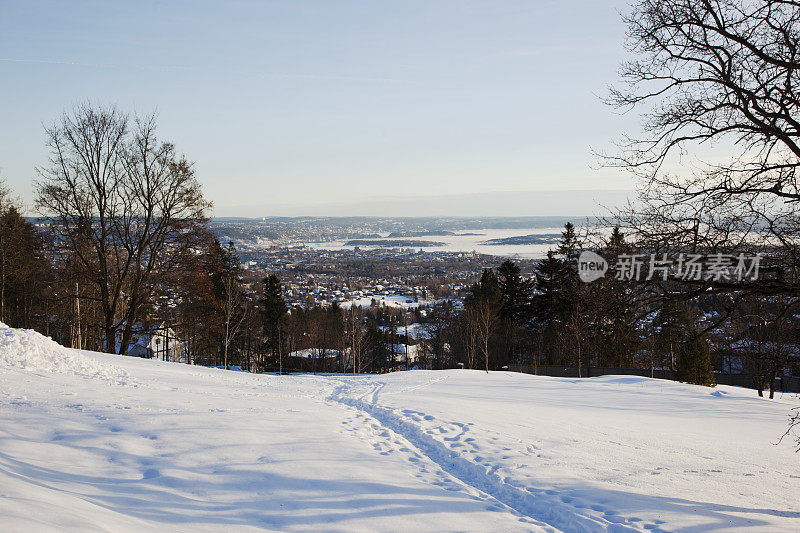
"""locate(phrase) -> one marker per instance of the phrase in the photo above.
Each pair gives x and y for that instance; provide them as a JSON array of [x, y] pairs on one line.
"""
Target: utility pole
[[77, 338], [353, 333], [405, 326], [280, 350]]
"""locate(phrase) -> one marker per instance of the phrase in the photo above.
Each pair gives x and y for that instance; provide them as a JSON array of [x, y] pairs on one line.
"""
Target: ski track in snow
[[456, 463]]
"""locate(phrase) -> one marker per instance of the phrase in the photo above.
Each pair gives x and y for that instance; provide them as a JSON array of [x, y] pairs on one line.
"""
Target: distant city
[[402, 262]]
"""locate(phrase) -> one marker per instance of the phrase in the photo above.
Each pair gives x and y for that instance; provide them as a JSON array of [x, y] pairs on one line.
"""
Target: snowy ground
[[94, 442]]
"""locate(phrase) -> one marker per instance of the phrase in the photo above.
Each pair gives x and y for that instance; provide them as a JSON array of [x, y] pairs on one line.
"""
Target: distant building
[[160, 343]]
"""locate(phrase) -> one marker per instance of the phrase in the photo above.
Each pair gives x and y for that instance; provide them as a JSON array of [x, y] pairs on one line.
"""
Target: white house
[[159, 343]]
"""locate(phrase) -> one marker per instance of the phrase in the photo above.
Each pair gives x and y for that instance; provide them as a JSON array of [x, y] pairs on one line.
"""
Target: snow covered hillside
[[95, 442]]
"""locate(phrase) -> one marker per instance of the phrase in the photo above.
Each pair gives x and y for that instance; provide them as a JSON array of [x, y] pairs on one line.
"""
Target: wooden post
[[77, 338], [405, 325]]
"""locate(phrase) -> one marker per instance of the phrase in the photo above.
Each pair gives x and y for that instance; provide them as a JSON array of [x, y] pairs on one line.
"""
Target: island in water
[[541, 238]]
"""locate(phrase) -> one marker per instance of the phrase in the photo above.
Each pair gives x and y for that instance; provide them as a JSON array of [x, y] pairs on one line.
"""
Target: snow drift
[[33, 352]]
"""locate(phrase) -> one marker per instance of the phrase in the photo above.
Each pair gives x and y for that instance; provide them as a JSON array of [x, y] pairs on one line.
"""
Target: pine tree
[[569, 246], [558, 286], [487, 288], [515, 292], [23, 269], [199, 288], [273, 311], [616, 242], [559, 303], [375, 351], [515, 305], [546, 304], [694, 364], [614, 318], [673, 328]]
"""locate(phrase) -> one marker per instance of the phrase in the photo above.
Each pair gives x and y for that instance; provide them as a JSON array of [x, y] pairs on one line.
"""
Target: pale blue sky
[[303, 107]]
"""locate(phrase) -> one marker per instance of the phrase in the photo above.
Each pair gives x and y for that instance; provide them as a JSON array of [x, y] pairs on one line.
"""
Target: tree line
[[124, 250], [553, 318]]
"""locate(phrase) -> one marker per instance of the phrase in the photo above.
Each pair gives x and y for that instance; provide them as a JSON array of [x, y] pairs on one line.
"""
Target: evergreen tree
[[219, 263], [558, 286], [376, 354], [616, 242], [673, 331], [614, 320], [694, 364], [486, 289], [558, 305], [273, 312], [548, 276], [571, 287], [515, 303], [199, 310], [333, 333], [569, 246], [515, 292], [23, 269]]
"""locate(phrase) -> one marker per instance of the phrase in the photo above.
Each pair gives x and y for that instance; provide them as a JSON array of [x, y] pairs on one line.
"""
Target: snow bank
[[33, 352]]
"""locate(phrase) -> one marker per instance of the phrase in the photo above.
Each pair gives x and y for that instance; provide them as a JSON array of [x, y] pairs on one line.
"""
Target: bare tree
[[125, 205], [576, 337], [355, 338], [4, 195], [794, 426], [762, 340], [486, 320], [718, 82], [469, 332], [235, 312]]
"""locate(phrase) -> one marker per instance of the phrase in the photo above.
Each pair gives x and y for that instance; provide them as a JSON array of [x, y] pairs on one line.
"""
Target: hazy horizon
[[565, 203]]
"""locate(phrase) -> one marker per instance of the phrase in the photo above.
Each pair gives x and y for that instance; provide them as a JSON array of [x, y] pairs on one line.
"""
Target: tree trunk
[[111, 333], [2, 283], [127, 331], [225, 347]]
